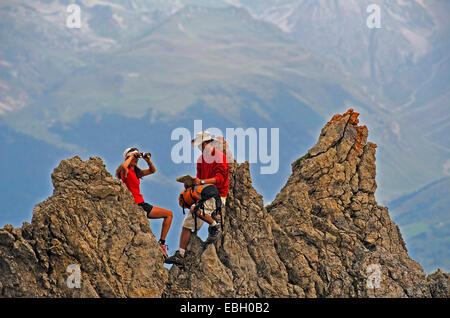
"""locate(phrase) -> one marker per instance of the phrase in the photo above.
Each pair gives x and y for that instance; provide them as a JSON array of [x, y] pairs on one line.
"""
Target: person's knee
[[186, 230]]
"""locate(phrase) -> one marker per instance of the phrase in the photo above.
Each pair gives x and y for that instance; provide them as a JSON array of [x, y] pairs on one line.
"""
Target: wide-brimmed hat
[[201, 137]]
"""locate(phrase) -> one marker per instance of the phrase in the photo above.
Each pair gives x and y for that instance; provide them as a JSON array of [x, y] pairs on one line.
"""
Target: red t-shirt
[[132, 182], [215, 166]]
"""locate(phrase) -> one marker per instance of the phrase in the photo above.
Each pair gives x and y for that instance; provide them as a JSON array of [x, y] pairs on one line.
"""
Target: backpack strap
[[194, 213], [200, 205], [184, 203], [195, 222], [219, 210]]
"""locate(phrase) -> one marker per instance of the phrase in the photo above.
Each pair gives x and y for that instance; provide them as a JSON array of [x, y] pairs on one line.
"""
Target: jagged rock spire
[[91, 221], [244, 263], [333, 235], [324, 235]]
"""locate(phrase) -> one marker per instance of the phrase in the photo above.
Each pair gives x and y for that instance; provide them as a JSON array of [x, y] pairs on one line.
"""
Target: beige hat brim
[[198, 141]]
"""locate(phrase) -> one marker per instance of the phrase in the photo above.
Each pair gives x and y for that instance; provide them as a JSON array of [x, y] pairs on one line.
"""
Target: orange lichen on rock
[[338, 117], [354, 121], [362, 131], [354, 118]]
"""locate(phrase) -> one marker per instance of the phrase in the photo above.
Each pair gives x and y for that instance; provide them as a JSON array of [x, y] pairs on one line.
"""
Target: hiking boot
[[176, 259], [214, 233]]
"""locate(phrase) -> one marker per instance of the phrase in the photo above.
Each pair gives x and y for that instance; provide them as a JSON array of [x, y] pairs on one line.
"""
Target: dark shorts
[[147, 207]]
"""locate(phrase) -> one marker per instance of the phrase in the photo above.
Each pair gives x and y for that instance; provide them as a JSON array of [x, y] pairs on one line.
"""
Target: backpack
[[198, 195]]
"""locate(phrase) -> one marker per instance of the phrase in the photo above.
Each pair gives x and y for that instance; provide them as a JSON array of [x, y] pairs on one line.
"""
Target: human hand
[[147, 156]]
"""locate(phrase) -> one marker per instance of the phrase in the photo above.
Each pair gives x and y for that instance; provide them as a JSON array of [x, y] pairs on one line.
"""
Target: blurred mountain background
[[136, 70]]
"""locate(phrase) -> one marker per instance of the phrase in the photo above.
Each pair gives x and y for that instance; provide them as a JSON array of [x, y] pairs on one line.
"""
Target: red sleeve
[[221, 171], [199, 169]]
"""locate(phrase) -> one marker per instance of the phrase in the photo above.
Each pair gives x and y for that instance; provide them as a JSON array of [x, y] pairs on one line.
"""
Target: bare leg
[[207, 218], [185, 237], [158, 213], [186, 233]]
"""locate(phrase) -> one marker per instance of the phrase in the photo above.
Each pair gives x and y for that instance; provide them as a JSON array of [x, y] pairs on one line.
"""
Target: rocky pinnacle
[[324, 235]]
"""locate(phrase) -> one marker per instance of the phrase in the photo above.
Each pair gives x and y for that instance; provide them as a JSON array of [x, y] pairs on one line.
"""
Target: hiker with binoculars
[[130, 173]]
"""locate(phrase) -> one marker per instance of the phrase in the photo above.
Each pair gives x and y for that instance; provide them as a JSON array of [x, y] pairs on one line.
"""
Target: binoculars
[[143, 155]]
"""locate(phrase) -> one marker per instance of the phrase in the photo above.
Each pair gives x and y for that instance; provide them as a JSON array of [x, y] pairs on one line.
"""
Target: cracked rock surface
[[324, 235], [91, 221], [332, 234]]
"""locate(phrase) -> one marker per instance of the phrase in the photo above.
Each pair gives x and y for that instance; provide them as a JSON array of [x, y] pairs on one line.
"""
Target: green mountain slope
[[215, 56], [160, 58], [424, 219]]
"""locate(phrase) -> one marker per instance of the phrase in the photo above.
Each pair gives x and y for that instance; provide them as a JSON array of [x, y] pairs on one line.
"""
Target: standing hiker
[[130, 173], [212, 169]]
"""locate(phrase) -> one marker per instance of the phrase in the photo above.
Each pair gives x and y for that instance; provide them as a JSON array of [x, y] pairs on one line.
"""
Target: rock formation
[[91, 221], [332, 234], [244, 263], [324, 235]]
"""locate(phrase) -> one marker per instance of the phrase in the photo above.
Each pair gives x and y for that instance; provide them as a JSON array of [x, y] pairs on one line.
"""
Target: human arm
[[151, 167], [198, 181], [124, 167], [220, 174]]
